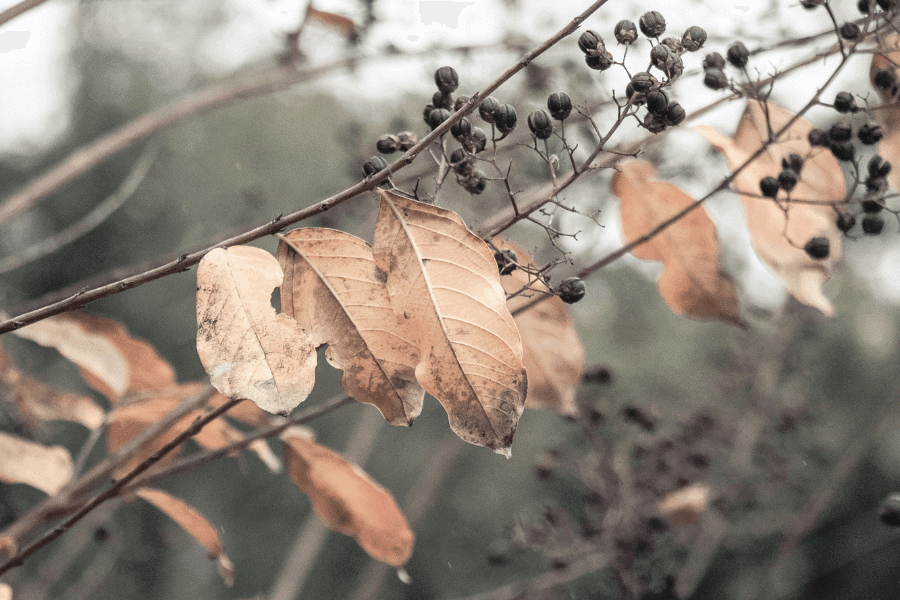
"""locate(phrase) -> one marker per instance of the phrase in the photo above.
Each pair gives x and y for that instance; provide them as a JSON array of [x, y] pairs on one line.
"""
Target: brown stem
[[11, 13]]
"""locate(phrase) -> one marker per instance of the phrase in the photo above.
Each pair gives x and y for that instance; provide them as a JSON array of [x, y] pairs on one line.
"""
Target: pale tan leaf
[[248, 351], [686, 505], [8, 546], [333, 290], [339, 23], [692, 283], [348, 500], [443, 280], [554, 355], [6, 592], [109, 358], [36, 401], [47, 468], [194, 523], [889, 113], [779, 235]]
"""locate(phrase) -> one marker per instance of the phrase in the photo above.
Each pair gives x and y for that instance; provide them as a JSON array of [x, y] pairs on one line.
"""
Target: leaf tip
[[403, 576]]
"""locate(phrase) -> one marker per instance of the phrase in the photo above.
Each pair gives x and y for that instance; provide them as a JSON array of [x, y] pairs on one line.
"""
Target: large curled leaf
[[443, 281], [333, 290], [348, 500], [248, 351], [47, 468], [692, 283], [195, 524], [554, 355], [888, 57], [779, 235]]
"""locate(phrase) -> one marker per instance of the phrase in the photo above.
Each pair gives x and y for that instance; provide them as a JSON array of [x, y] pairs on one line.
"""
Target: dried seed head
[[446, 79], [715, 79], [374, 165], [626, 32], [488, 109], [505, 119], [714, 60], [738, 55], [693, 39], [653, 24], [540, 124], [560, 105]]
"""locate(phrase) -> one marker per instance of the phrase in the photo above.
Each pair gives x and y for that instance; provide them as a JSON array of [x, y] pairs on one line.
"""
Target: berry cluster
[[791, 166]]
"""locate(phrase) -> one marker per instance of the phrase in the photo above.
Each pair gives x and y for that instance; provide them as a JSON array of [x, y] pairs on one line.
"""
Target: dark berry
[[642, 82], [885, 79], [870, 133], [407, 139], [477, 140], [842, 150], [426, 112], [387, 144], [845, 103], [817, 137], [878, 167], [540, 124], [887, 4], [488, 109], [769, 187], [626, 32], [693, 39], [560, 105], [653, 24], [599, 62], [792, 161], [657, 101], [441, 100], [872, 224], [438, 116], [840, 132], [571, 290], [817, 247], [654, 123], [675, 114], [475, 183], [374, 165], [461, 129], [863, 6], [715, 79], [872, 207], [506, 261], [738, 55], [460, 102], [845, 222], [850, 31], [446, 79], [505, 119], [890, 510], [461, 161], [590, 42], [713, 60]]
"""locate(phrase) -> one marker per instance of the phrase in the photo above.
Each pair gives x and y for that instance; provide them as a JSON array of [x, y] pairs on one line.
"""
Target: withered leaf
[[195, 524], [443, 281], [348, 500], [248, 351], [780, 233], [339, 23], [686, 505], [47, 468], [554, 355], [888, 57], [333, 290], [692, 283]]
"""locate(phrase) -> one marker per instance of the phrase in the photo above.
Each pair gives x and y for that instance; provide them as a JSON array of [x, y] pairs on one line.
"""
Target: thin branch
[[11, 13]]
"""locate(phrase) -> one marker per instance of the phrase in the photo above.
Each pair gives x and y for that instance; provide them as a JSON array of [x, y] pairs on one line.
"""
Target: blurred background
[[809, 390]]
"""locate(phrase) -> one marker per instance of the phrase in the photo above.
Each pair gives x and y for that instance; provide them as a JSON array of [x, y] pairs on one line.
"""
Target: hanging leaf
[[47, 468], [692, 283], [248, 351], [443, 281], [338, 23], [348, 500], [780, 233], [195, 524], [36, 401], [554, 355], [109, 358], [333, 290], [889, 113]]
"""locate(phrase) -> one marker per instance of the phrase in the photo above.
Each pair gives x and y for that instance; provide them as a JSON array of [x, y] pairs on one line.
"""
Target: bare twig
[[14, 11]]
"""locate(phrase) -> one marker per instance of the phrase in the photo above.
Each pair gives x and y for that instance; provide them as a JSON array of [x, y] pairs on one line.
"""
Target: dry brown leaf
[[36, 401], [339, 23], [333, 290], [889, 116], [248, 351], [692, 283], [348, 500], [443, 280], [195, 524], [779, 240], [554, 355], [47, 468], [686, 505], [109, 359]]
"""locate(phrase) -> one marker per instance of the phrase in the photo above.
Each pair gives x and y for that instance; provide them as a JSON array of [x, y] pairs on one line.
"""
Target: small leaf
[[47, 468], [248, 351], [780, 234], [333, 289], [195, 524], [443, 281], [686, 505], [339, 23], [6, 592], [692, 283], [348, 500], [554, 355]]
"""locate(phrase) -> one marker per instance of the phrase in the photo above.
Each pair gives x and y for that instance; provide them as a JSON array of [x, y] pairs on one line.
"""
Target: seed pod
[[845, 222], [817, 137], [488, 109], [475, 183], [660, 55], [653, 24], [571, 290], [636, 98], [872, 224], [441, 100], [626, 32], [890, 510], [654, 123], [657, 101], [540, 124], [387, 144], [642, 82], [374, 165], [446, 79], [792, 161], [675, 114], [674, 45], [506, 261], [476, 142], [461, 161], [842, 150], [787, 179], [461, 129], [875, 185], [460, 102], [769, 187], [878, 167], [713, 60], [599, 62], [887, 4], [738, 55], [560, 105], [591, 43], [885, 79], [840, 132], [693, 39], [407, 139], [872, 207], [865, 5], [870, 133], [505, 119], [715, 79], [818, 248], [438, 116], [845, 103], [426, 112], [850, 31]]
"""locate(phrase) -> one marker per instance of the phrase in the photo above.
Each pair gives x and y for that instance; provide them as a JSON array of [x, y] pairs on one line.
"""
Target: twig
[[11, 13]]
